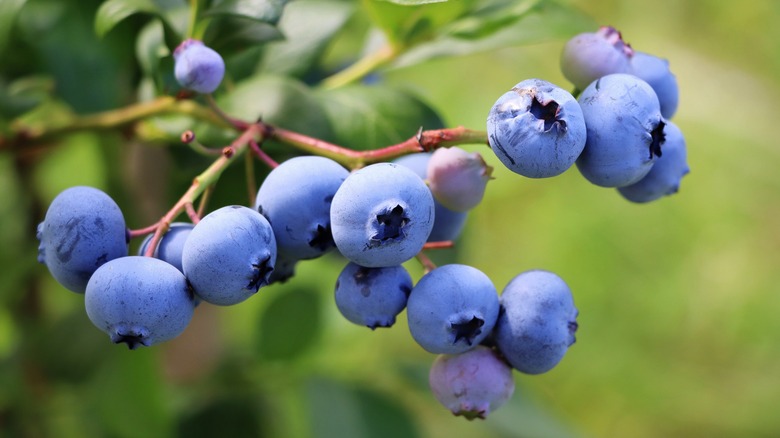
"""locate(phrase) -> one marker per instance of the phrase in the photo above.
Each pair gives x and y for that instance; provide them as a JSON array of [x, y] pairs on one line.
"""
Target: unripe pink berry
[[472, 384], [457, 178], [591, 55]]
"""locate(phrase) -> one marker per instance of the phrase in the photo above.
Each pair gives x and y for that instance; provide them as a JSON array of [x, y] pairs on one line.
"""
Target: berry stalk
[[205, 180]]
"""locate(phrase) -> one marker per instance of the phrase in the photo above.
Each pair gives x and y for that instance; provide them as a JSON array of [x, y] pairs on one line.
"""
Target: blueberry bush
[[298, 220]]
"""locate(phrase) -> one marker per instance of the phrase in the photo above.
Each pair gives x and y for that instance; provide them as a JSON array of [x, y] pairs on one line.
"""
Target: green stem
[[113, 119], [361, 68], [206, 179]]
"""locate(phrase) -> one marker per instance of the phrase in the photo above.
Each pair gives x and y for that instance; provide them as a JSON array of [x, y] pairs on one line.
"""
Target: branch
[[204, 181], [111, 119], [424, 141]]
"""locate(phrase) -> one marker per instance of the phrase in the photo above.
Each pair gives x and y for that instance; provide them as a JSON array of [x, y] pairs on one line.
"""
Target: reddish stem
[[260, 153], [426, 262], [144, 231], [423, 141], [439, 245], [193, 215]]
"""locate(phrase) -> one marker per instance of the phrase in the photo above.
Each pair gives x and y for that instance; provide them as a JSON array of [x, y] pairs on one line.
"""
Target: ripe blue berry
[[140, 301], [625, 130], [229, 255], [83, 229], [536, 129], [537, 322], [447, 224], [381, 215], [295, 198], [667, 172], [197, 67], [171, 244], [452, 309], [655, 71], [372, 297], [591, 55], [472, 384], [457, 179]]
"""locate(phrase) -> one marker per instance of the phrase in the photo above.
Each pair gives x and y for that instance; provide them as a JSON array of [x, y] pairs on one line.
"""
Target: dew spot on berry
[[389, 226], [467, 330]]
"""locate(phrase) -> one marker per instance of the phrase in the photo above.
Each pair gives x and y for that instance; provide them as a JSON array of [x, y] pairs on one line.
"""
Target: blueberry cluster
[[378, 217], [617, 131]]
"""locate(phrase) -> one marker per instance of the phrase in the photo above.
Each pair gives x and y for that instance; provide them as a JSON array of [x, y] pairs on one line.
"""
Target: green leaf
[[405, 26], [281, 101], [308, 27], [235, 415], [369, 117], [129, 394], [289, 325], [9, 10], [545, 20], [265, 11], [112, 12], [150, 47], [228, 34], [361, 412]]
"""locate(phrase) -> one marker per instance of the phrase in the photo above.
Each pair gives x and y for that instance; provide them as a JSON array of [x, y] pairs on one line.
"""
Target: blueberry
[[229, 255], [457, 179], [83, 229], [381, 215], [198, 67], [452, 309], [667, 172], [284, 269], [171, 245], [625, 130], [655, 71], [447, 224], [536, 129], [591, 55], [295, 198], [537, 321], [140, 301], [372, 297], [472, 384]]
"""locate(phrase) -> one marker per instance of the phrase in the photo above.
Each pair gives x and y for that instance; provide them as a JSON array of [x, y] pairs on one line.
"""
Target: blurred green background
[[679, 334]]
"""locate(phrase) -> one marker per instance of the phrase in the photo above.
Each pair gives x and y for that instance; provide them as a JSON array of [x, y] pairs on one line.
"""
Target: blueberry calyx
[[389, 225], [467, 330], [260, 272], [471, 414], [549, 112], [614, 37], [322, 238], [133, 337], [658, 137]]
